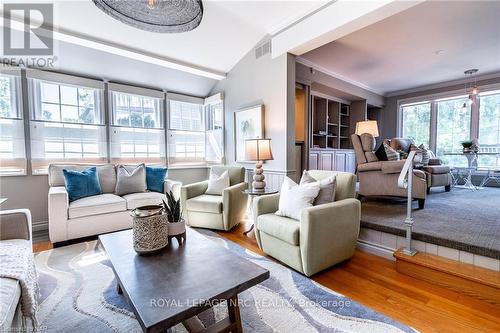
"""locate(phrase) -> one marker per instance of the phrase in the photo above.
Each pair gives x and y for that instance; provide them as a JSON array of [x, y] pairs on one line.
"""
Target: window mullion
[[433, 127]]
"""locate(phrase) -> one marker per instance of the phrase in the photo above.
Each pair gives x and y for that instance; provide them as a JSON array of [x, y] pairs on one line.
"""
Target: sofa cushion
[[205, 203], [280, 227], [105, 172], [95, 205], [367, 142], [371, 157], [135, 200]]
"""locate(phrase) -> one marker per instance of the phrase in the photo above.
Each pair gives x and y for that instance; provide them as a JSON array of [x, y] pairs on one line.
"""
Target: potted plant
[[176, 224], [467, 145]]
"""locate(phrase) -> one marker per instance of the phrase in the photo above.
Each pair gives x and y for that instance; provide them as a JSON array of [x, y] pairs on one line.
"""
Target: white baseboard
[[376, 249]]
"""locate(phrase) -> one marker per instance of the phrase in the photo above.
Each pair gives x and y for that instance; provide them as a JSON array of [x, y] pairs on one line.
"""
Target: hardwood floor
[[374, 282]]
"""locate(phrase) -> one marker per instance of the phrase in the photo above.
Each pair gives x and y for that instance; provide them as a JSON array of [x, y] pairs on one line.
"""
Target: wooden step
[[468, 279]]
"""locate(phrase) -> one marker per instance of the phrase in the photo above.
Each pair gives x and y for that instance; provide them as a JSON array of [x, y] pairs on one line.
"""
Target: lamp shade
[[258, 150], [368, 126]]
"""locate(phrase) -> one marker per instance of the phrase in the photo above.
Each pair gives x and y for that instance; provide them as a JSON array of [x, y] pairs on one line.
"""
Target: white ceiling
[[228, 30], [399, 52]]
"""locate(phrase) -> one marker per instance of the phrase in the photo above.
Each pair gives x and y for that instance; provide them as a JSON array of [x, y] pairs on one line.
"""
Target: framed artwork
[[248, 124]]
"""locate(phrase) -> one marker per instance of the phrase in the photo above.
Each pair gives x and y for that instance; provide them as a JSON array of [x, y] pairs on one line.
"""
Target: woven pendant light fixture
[[165, 16]]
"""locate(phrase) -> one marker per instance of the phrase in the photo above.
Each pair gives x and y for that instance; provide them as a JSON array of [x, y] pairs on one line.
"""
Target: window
[[489, 129], [186, 134], [446, 122], [12, 147], [453, 127], [214, 111], [137, 133], [67, 122], [416, 120]]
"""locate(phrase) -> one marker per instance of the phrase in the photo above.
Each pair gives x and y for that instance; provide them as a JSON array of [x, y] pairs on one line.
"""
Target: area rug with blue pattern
[[78, 294]]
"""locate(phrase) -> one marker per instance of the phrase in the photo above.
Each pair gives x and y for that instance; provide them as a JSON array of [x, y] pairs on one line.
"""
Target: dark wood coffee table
[[177, 284]]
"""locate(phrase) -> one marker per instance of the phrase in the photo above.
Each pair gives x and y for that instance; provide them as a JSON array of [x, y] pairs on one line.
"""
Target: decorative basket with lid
[[150, 229]]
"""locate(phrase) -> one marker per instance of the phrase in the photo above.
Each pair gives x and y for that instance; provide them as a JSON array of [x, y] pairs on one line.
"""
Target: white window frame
[[140, 150], [38, 126], [15, 166], [172, 131], [433, 99]]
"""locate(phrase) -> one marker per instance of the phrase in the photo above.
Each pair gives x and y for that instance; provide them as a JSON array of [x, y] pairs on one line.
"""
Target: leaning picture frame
[[248, 124]]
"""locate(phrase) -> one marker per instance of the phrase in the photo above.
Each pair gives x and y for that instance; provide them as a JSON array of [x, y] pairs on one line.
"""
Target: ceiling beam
[[120, 50], [333, 21]]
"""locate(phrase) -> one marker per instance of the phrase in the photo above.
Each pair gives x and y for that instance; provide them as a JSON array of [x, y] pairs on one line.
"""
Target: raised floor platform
[[462, 219]]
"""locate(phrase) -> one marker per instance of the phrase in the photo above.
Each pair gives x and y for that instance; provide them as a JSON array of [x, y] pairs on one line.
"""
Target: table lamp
[[258, 150], [367, 126]]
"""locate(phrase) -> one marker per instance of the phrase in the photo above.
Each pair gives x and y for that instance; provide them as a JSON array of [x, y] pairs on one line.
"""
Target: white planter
[[177, 230]]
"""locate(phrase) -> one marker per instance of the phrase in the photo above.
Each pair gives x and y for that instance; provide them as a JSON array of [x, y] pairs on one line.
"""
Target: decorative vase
[[149, 229], [177, 230]]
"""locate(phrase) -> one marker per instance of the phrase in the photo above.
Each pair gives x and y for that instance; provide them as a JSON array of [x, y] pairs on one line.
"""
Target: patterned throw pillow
[[392, 154], [425, 154], [327, 188]]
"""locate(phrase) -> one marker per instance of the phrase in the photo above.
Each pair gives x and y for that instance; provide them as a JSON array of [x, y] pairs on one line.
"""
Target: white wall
[[261, 81]]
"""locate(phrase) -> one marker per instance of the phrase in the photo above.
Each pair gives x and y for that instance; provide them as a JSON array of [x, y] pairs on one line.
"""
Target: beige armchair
[[325, 235], [380, 178], [221, 212]]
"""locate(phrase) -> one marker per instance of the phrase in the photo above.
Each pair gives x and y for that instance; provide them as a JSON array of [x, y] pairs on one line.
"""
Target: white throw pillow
[[327, 188], [216, 183], [294, 198]]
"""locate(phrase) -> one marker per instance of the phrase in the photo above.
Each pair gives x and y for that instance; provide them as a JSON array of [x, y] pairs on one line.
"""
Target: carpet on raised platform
[[461, 219]]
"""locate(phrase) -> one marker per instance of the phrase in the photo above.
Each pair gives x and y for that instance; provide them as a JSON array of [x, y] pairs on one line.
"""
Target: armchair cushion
[[205, 203], [96, 205], [280, 227]]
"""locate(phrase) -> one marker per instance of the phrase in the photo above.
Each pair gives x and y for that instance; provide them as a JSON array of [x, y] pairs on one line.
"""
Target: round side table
[[252, 193]]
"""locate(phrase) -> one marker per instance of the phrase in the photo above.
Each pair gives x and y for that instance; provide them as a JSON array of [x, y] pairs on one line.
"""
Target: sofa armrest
[[58, 214], [172, 186], [370, 166], [265, 204], [328, 234], [15, 224], [393, 166], [234, 202]]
